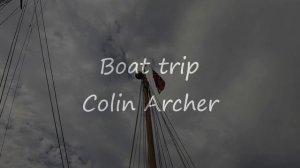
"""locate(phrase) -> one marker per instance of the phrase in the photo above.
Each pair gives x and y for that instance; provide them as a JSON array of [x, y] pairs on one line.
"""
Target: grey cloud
[[248, 53]]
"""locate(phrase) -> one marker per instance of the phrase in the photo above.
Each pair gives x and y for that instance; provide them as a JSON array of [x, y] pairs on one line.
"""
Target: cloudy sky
[[248, 51]]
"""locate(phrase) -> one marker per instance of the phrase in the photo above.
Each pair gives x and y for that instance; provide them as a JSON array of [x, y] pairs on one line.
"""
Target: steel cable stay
[[143, 152], [24, 47], [162, 141], [132, 153], [173, 140], [10, 56], [27, 37], [28, 34], [12, 50], [9, 62], [49, 89], [162, 130], [139, 137], [15, 71], [178, 149], [25, 44], [145, 146], [181, 155], [159, 146], [163, 134], [139, 145], [27, 41], [11, 47], [15, 11], [172, 131], [3, 4], [53, 83]]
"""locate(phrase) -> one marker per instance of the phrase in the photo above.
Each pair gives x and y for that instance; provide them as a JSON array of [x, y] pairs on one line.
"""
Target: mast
[[149, 127], [149, 81]]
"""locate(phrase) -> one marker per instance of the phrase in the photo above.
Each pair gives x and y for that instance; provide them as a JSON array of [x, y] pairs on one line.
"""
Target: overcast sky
[[248, 52]]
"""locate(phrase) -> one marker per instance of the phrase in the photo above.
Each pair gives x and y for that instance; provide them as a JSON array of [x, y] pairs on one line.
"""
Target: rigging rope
[[7, 68], [162, 143], [27, 40], [181, 151], [53, 83], [15, 70], [30, 28], [135, 128], [15, 11], [48, 86], [165, 142], [162, 127], [11, 55], [2, 6]]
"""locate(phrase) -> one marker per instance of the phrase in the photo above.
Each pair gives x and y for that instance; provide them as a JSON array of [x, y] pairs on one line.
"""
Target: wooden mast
[[150, 139]]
